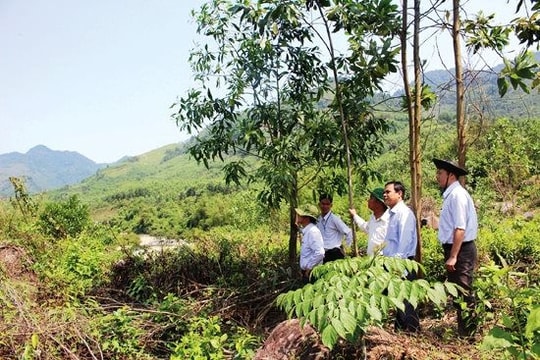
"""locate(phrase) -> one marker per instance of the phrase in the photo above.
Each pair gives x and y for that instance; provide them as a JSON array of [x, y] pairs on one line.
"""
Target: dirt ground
[[436, 341]]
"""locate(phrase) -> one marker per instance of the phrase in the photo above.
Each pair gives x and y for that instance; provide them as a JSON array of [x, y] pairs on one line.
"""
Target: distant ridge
[[44, 169]]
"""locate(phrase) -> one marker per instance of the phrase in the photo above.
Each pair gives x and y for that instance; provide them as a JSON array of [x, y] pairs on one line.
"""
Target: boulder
[[289, 340]]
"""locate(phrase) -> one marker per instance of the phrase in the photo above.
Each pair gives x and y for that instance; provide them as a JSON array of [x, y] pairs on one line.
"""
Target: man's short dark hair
[[398, 186], [325, 196]]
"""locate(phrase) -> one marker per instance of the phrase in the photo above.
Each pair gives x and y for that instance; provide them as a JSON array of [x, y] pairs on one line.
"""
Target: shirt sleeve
[[361, 223], [344, 229], [460, 211], [317, 250], [407, 241]]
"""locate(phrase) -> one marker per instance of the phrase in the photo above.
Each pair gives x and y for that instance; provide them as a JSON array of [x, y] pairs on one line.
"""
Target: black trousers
[[463, 276], [333, 254], [408, 320]]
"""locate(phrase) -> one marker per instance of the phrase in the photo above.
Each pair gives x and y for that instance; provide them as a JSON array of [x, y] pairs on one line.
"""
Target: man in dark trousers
[[458, 228], [401, 241], [333, 230]]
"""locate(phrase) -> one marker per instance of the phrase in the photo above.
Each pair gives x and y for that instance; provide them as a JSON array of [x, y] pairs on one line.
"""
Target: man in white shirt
[[377, 224], [458, 228], [401, 241], [333, 230], [312, 248]]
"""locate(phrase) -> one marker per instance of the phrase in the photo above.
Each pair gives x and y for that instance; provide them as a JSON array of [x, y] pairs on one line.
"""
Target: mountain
[[44, 169]]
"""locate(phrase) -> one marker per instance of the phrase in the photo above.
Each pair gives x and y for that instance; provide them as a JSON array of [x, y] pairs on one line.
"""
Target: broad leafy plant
[[511, 300], [351, 294]]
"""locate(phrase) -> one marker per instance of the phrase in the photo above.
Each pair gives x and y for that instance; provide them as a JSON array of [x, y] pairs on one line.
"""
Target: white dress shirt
[[458, 212], [375, 228], [401, 236], [312, 249], [333, 230]]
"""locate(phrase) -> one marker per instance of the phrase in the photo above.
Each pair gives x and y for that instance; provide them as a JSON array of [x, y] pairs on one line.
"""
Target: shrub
[[73, 266], [513, 239], [63, 219], [432, 256], [120, 334], [511, 300], [206, 340]]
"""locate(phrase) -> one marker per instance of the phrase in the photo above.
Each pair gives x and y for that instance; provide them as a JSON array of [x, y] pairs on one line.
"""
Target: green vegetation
[[353, 294], [76, 282], [81, 284]]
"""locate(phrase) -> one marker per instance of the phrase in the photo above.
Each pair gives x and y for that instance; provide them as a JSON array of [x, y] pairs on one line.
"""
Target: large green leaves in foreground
[[351, 294]]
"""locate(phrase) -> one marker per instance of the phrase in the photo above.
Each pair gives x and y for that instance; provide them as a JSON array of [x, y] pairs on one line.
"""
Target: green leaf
[[298, 297], [497, 339], [318, 300], [451, 288], [306, 307], [414, 295], [436, 297], [374, 313], [508, 321], [384, 304], [533, 322], [338, 326], [536, 349], [312, 317], [329, 336], [348, 321], [502, 84], [393, 287], [398, 304], [361, 312], [321, 318]]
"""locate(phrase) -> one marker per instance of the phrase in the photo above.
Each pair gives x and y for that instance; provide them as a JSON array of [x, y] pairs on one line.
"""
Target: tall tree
[[264, 90], [460, 85], [414, 100]]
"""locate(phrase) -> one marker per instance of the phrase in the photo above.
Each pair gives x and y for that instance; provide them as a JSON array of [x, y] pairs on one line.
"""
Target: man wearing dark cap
[[458, 228], [377, 224]]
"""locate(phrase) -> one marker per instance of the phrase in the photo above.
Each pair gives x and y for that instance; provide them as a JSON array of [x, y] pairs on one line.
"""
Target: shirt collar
[[396, 207], [385, 216], [305, 229], [450, 188]]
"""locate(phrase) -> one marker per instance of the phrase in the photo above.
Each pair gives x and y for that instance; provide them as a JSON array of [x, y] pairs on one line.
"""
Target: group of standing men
[[392, 232]]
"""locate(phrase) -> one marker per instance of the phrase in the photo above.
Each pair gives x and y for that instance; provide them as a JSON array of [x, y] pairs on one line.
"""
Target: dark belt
[[463, 245]]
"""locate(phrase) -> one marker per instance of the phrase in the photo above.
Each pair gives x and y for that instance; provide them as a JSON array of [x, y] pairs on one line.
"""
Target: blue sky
[[98, 77]]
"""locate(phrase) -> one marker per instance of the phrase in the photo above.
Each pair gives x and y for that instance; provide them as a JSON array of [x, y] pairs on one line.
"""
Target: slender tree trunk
[[460, 86], [293, 229], [414, 110], [416, 152], [344, 126]]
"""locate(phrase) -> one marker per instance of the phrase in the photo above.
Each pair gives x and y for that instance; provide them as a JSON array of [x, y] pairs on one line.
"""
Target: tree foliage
[[523, 71], [264, 89]]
